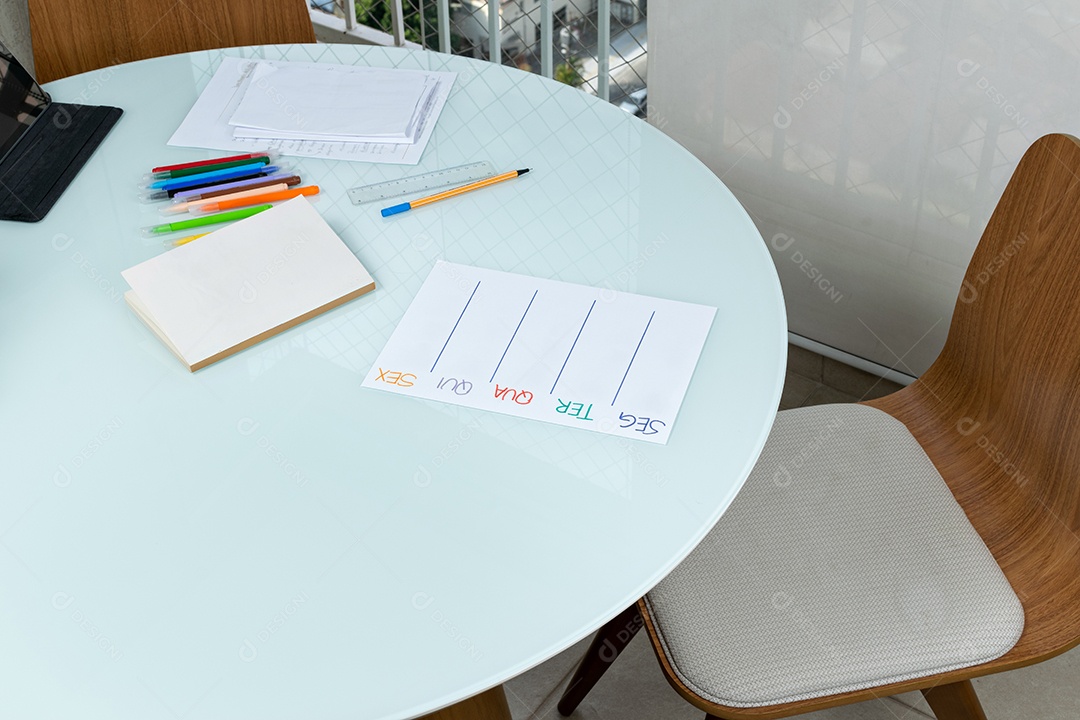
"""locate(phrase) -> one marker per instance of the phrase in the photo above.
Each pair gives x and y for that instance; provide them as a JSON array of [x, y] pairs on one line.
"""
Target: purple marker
[[226, 188]]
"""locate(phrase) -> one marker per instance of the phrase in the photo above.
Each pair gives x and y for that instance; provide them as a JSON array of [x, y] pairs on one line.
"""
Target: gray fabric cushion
[[844, 563]]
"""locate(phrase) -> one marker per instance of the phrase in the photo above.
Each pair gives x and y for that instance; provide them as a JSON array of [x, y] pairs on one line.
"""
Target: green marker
[[214, 219]]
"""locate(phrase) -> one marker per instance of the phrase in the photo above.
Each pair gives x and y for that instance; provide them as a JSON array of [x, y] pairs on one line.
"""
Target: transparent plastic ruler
[[420, 183]]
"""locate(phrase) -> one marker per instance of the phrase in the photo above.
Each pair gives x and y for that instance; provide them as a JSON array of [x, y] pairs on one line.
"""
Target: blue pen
[[212, 176]]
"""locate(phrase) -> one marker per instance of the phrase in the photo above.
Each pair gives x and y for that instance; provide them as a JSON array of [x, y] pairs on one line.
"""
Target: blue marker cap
[[219, 176], [169, 183], [395, 209]]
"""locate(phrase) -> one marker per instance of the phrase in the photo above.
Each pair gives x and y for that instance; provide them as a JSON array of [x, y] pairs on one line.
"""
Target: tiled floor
[[635, 688], [814, 380]]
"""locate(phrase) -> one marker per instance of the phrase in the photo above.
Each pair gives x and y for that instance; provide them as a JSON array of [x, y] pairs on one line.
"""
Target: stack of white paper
[[316, 109], [332, 102]]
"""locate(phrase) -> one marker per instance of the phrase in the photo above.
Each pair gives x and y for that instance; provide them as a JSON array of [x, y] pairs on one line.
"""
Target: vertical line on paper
[[632, 357], [572, 348], [514, 335], [455, 326]]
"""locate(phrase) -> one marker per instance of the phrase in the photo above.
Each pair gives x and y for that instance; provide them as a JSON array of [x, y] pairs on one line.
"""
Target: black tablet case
[[49, 156]]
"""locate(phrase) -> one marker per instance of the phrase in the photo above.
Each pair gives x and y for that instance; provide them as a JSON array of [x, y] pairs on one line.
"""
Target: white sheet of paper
[[261, 134], [207, 123], [242, 280], [325, 99], [573, 355]]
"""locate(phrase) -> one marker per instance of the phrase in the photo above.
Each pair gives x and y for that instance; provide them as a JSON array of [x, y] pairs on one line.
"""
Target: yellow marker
[[189, 238]]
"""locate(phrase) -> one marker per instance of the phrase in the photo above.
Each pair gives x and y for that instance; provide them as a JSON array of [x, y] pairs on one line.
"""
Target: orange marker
[[186, 206], [213, 207]]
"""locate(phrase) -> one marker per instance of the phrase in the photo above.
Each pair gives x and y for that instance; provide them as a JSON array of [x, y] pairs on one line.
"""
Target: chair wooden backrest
[[999, 410], [74, 38]]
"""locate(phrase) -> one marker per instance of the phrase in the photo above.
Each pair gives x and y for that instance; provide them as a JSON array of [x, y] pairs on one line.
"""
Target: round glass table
[[266, 539]]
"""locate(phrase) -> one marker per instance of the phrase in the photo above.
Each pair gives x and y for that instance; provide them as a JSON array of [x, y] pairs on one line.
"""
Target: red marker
[[213, 161]]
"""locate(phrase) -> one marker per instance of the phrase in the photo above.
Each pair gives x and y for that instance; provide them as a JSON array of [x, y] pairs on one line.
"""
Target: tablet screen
[[21, 101]]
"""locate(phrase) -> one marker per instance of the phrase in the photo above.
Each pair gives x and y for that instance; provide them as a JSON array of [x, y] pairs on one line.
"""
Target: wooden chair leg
[[955, 701], [610, 640]]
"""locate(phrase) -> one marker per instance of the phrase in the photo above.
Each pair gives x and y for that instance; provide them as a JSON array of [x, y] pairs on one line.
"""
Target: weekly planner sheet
[[573, 355]]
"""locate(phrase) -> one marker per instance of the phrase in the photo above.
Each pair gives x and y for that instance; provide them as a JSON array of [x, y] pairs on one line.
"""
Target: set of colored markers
[[219, 190]]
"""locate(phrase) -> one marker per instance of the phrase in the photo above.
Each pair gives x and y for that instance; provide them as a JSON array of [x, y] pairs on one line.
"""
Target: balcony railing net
[[573, 39]]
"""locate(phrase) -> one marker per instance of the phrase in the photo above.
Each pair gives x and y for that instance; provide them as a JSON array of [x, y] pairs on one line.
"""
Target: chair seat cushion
[[844, 563]]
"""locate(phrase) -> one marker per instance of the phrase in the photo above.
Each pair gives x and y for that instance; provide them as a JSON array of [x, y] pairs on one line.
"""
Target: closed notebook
[[245, 283]]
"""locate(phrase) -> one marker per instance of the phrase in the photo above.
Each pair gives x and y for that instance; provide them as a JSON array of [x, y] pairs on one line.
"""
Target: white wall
[[15, 30], [869, 140]]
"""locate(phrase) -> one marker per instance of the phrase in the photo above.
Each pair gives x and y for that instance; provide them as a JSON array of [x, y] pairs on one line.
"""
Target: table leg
[[490, 705]]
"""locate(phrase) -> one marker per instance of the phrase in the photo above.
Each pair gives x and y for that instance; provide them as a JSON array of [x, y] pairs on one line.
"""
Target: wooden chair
[[998, 414], [70, 39]]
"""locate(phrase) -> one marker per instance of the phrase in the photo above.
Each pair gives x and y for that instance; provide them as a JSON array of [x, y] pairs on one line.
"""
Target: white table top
[[265, 539]]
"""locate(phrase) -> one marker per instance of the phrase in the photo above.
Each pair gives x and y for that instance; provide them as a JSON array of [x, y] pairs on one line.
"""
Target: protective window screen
[[870, 141]]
